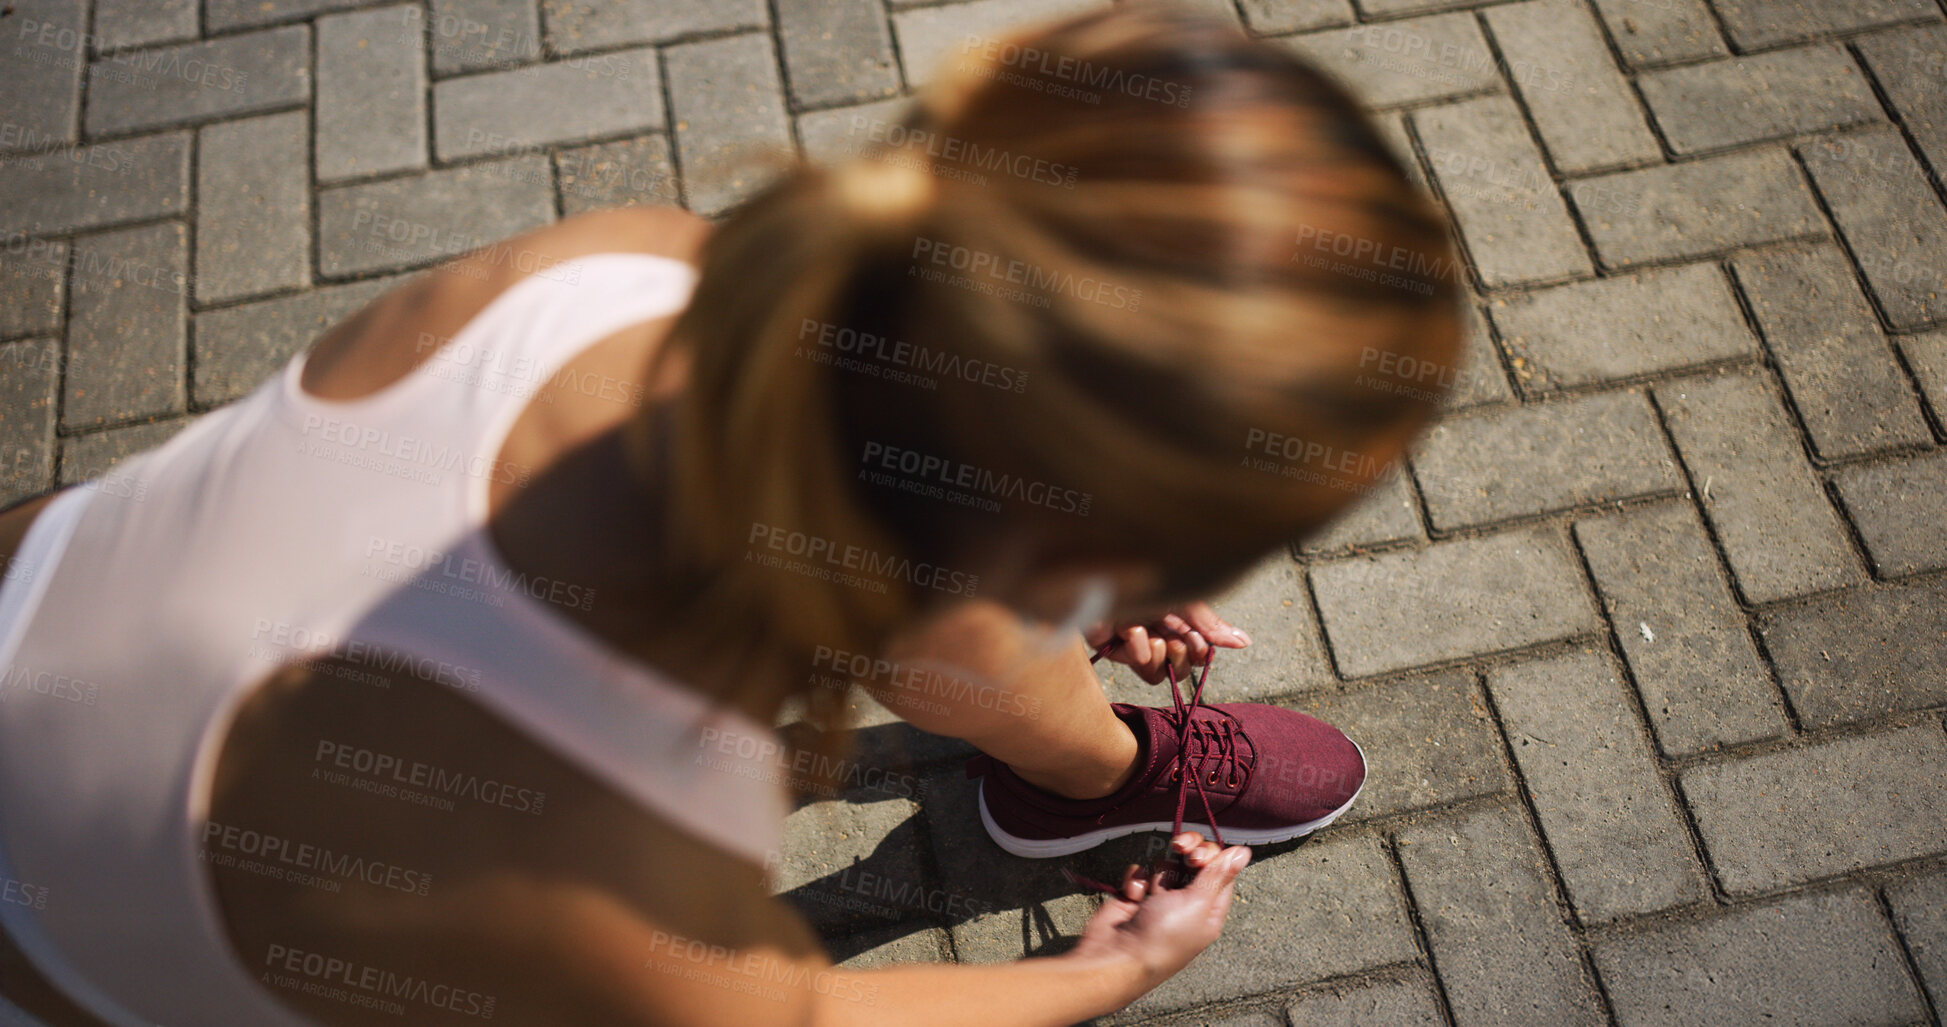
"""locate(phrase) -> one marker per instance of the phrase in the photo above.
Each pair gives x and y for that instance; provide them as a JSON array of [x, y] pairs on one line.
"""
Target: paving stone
[[1891, 219], [1686, 640], [1798, 815], [633, 171], [126, 23], [126, 180], [1503, 951], [1511, 216], [576, 25], [1754, 24], [912, 942], [1224, 9], [253, 218], [1770, 514], [1927, 355], [1258, 1018], [406, 221], [469, 35], [1464, 597], [41, 57], [1388, 513], [1403, 1003], [1615, 831], [371, 93], [127, 330], [1392, 127], [855, 859], [91, 456], [732, 135], [29, 379], [837, 50], [1286, 656], [1651, 32], [1810, 959], [830, 136], [31, 277], [1697, 207], [1341, 887], [1479, 379], [1720, 104], [1920, 912], [1428, 742], [929, 36], [1372, 9], [1026, 906], [221, 15], [217, 78], [1506, 462], [1404, 62], [1584, 110], [1843, 377], [1269, 17], [1911, 67], [1622, 327], [1862, 654], [567, 101], [238, 348]]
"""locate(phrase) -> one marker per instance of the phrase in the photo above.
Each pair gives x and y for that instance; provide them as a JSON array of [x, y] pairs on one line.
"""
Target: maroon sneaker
[[1268, 774]]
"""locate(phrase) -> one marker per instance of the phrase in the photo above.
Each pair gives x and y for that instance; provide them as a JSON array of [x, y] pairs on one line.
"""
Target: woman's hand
[[1162, 926], [1179, 639]]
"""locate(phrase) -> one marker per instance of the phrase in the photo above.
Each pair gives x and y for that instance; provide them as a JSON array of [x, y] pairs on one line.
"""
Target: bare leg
[[1045, 717]]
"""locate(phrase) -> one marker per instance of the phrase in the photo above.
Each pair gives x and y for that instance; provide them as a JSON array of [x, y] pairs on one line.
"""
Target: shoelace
[[1218, 742]]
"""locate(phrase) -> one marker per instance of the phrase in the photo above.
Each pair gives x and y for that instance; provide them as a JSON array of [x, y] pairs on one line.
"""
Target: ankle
[[1103, 775]]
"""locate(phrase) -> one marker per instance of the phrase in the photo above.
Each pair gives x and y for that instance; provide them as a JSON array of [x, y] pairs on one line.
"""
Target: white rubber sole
[[1048, 848]]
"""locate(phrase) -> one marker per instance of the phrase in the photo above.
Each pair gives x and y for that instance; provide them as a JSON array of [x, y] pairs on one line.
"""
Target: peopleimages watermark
[[766, 758], [302, 863], [1405, 375], [865, 353], [400, 456], [1309, 461], [500, 369], [64, 47], [1421, 56], [19, 680], [959, 151], [1062, 75], [1419, 270], [354, 656], [361, 984], [20, 893], [916, 687], [886, 896], [24, 141], [997, 276], [437, 570], [754, 973], [937, 477], [819, 557], [395, 776]]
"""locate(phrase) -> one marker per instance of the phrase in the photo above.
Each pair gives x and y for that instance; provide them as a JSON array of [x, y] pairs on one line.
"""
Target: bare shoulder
[[382, 341], [387, 838]]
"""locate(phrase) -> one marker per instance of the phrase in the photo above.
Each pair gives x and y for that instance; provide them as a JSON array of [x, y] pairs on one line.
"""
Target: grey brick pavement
[[1648, 643]]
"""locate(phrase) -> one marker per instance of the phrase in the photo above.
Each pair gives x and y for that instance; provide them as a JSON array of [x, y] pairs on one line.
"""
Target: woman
[[428, 682]]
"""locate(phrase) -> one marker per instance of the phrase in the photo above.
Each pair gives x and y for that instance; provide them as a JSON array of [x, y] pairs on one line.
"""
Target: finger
[[1203, 854], [1134, 883], [1197, 644], [1186, 841], [1176, 624], [1178, 654], [1223, 871], [1213, 627]]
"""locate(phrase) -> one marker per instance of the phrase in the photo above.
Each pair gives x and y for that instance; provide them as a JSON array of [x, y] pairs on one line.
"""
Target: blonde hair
[[1153, 186]]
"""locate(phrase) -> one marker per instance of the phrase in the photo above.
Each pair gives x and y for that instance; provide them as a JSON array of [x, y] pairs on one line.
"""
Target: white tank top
[[274, 530]]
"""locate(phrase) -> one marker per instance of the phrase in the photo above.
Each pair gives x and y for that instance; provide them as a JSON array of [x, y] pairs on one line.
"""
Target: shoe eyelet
[[1233, 781], [1176, 773], [1213, 777]]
